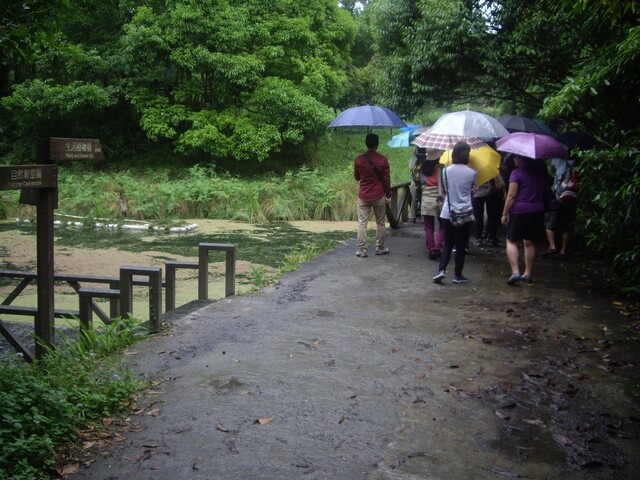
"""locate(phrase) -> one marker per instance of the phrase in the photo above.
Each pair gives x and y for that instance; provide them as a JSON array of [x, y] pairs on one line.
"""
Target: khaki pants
[[364, 212]]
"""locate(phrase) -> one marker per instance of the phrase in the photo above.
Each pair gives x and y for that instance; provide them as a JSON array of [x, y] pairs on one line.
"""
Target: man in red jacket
[[371, 169]]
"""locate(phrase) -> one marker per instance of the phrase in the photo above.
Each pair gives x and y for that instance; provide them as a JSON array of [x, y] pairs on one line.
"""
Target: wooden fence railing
[[119, 291]]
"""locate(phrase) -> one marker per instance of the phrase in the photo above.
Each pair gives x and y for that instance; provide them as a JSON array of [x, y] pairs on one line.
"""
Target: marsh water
[[262, 250]]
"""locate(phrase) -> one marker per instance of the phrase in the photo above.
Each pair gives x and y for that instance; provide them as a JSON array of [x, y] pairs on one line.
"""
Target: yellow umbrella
[[484, 160]]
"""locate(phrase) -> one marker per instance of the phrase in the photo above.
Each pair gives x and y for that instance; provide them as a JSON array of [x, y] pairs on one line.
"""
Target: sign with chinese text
[[28, 176], [75, 149]]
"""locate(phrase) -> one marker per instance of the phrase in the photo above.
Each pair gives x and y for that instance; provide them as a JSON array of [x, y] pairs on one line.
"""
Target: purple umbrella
[[367, 116], [531, 145]]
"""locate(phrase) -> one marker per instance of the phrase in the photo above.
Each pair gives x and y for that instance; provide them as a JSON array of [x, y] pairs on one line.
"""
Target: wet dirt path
[[362, 368]]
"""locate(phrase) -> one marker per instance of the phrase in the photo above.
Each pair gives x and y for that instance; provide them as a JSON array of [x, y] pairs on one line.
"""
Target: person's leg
[[449, 238], [461, 236], [551, 225], [566, 238], [513, 256], [364, 210], [493, 217], [429, 231], [551, 239], [440, 237], [449, 241], [478, 212], [529, 257], [568, 220], [380, 209]]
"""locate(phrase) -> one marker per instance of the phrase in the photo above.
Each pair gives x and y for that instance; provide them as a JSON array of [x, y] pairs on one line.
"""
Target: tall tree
[[26, 28], [234, 79], [513, 51], [218, 78], [602, 91]]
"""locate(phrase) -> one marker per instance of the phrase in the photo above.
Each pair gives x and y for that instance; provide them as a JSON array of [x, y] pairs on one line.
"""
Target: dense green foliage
[[519, 55], [609, 221], [43, 404]]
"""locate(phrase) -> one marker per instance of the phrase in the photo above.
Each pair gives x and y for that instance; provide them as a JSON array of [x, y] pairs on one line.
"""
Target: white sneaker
[[439, 277]]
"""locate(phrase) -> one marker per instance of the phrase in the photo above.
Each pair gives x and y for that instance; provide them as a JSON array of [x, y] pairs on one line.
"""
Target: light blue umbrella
[[401, 140], [407, 134], [410, 127]]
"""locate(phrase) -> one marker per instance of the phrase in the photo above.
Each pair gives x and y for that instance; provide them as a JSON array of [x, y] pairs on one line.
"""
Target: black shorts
[[563, 219], [526, 226]]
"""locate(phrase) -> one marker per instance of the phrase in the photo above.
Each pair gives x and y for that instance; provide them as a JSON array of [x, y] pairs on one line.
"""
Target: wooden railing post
[[155, 293], [203, 268], [395, 212]]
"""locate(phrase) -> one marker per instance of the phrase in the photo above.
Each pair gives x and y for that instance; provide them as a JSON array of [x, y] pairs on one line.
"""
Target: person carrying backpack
[[560, 222]]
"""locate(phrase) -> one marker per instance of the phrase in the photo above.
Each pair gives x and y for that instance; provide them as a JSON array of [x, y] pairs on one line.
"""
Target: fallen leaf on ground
[[155, 412], [221, 427], [342, 419], [155, 392], [501, 415], [533, 422], [68, 469], [264, 421]]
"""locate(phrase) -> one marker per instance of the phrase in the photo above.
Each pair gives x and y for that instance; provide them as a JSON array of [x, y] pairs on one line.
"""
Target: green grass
[[319, 186]]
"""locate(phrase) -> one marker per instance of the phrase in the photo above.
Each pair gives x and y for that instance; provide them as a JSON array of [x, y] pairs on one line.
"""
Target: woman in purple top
[[524, 214]]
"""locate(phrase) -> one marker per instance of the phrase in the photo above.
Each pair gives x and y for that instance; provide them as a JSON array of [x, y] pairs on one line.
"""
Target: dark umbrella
[[577, 140], [367, 116], [517, 123]]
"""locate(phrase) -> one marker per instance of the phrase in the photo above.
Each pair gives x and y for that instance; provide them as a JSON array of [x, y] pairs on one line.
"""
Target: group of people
[[449, 198]]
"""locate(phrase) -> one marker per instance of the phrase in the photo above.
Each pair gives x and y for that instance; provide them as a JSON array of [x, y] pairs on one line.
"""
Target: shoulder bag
[[458, 216], [374, 168]]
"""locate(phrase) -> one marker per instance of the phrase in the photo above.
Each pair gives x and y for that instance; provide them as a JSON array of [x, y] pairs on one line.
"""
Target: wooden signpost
[[67, 149], [39, 185]]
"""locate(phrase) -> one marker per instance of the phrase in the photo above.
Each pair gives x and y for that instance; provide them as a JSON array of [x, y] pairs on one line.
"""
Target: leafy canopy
[[232, 80]]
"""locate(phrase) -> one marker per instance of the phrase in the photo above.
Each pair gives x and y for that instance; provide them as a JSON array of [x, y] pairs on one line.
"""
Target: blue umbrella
[[407, 134], [400, 140], [367, 116]]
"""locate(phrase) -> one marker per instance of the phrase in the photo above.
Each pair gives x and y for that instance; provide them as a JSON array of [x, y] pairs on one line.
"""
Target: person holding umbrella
[[459, 183], [432, 197], [523, 214], [371, 169], [525, 205]]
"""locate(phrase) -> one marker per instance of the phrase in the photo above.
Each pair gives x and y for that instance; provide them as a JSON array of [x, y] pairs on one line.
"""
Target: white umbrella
[[467, 123]]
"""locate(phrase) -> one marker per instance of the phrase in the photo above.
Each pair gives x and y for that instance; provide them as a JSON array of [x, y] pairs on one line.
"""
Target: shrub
[[43, 404], [609, 195]]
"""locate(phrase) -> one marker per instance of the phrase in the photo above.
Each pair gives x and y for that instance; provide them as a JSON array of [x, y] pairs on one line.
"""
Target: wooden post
[[45, 320]]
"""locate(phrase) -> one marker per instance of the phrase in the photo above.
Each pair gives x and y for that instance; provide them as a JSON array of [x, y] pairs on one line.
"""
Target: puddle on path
[[221, 385]]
